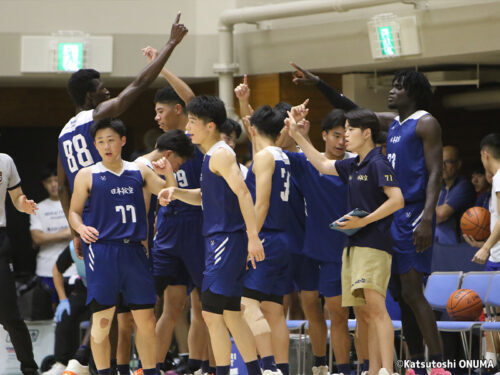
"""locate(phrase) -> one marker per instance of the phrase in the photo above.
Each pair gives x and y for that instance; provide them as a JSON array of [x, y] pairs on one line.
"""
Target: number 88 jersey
[[76, 145], [279, 210]]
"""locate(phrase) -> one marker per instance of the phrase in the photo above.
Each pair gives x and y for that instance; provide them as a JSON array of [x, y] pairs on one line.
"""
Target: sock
[[194, 365], [139, 364], [253, 368], [222, 370], [419, 371], [319, 361], [103, 372], [82, 355], [159, 367], [284, 368], [212, 370], [123, 369], [184, 357], [112, 364], [344, 368], [269, 364], [365, 366], [149, 371], [205, 366]]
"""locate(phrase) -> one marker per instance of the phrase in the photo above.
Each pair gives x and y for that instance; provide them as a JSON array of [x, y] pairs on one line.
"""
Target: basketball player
[[414, 148], [268, 180], [227, 211], [113, 227], [178, 252], [366, 261], [9, 313]]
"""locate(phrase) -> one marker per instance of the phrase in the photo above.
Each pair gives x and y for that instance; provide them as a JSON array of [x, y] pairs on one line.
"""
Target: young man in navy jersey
[[227, 211], [112, 227], [366, 261], [414, 148], [268, 180]]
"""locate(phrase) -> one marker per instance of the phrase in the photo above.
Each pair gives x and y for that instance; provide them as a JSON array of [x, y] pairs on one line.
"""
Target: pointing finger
[[178, 17], [245, 81]]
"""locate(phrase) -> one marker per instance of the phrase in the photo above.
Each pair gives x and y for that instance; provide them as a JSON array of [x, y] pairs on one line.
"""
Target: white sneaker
[[269, 372], [384, 371], [198, 372], [320, 370], [75, 368], [56, 369], [364, 373]]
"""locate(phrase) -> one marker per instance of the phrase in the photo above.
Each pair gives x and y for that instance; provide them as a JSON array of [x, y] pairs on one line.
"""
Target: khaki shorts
[[364, 267]]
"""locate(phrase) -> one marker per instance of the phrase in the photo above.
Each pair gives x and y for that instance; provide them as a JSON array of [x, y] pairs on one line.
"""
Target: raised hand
[[242, 91], [299, 112], [150, 53], [178, 30], [302, 76]]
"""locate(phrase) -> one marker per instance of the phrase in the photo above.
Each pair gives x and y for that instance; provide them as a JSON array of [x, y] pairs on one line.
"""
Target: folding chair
[[300, 325]]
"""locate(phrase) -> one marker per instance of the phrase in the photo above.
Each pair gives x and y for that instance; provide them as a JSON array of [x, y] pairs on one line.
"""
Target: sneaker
[[384, 371], [320, 370], [56, 369], [439, 371], [198, 372], [269, 372], [75, 368], [364, 373]]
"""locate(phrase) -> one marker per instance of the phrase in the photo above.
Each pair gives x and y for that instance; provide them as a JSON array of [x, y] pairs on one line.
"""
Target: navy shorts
[[226, 255], [310, 274], [180, 254], [271, 275], [113, 268], [404, 254], [492, 266]]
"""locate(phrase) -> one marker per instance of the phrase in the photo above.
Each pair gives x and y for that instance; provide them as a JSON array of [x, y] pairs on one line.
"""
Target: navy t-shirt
[[366, 182]]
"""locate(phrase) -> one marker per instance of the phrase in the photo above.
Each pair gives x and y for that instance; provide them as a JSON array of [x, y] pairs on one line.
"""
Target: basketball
[[475, 222], [464, 304]]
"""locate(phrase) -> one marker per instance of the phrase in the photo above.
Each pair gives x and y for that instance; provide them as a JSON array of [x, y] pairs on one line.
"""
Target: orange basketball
[[476, 223], [464, 304]]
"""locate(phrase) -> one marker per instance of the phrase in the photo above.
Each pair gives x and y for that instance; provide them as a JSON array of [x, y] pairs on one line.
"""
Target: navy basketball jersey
[[76, 145], [405, 152], [297, 220], [279, 209], [152, 204], [221, 209], [117, 208], [325, 201]]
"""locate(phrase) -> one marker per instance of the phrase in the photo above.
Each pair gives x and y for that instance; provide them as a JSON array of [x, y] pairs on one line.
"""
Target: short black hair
[[168, 95], [333, 119], [478, 169], [48, 170], [382, 137], [268, 121], [364, 119], [491, 143], [209, 109], [230, 126], [177, 141], [111, 123], [80, 83], [283, 108], [416, 85]]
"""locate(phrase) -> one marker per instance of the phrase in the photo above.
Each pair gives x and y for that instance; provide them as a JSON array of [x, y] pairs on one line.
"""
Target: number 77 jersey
[[76, 145]]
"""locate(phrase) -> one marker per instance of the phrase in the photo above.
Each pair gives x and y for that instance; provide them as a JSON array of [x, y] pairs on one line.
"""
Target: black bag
[[34, 301]]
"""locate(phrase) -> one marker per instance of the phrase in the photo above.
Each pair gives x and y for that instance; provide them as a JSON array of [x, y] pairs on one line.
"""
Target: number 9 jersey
[[76, 145]]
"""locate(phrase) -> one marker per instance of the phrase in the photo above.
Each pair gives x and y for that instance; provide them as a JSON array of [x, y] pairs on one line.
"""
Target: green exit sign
[[387, 41], [69, 57]]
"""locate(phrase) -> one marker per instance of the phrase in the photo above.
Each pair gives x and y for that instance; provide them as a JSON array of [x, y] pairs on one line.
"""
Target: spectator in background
[[456, 196], [230, 132], [482, 185], [50, 230]]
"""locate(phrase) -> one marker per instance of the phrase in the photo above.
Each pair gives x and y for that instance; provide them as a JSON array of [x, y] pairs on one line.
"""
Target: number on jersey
[[123, 211], [284, 194], [181, 178], [392, 159], [83, 156]]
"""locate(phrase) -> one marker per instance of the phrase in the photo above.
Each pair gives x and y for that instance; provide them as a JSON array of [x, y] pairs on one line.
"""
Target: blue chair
[[492, 303]]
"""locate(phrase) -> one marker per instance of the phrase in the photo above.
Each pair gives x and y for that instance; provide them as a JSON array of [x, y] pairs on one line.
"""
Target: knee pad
[[254, 317], [98, 333]]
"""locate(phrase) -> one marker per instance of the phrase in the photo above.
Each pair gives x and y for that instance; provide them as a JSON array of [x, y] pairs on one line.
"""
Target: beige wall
[[336, 42]]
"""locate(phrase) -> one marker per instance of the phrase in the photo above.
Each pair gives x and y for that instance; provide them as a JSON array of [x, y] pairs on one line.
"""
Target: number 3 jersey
[[405, 151], [76, 145], [116, 203], [279, 210]]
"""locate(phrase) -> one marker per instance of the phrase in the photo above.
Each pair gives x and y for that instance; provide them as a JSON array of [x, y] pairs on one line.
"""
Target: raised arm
[[224, 163], [263, 168], [153, 183], [114, 107], [429, 130], [180, 87], [242, 92], [317, 159]]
